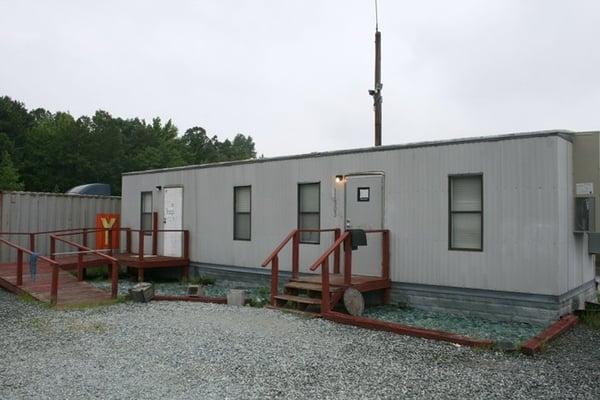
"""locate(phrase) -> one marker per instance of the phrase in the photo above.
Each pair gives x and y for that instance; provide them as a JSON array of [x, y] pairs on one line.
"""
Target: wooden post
[[186, 244], [274, 279], [19, 267], [128, 240], [141, 246], [325, 297], [155, 233], [54, 285], [85, 237], [110, 242], [114, 279], [336, 252], [385, 262], [52, 247], [79, 266], [296, 255], [347, 261], [32, 241]]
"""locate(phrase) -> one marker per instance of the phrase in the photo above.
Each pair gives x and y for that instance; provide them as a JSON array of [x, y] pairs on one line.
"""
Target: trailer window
[[466, 212], [309, 211], [242, 217], [146, 212]]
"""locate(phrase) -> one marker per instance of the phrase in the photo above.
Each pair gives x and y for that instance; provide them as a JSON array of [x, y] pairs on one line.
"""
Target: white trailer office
[[479, 225]]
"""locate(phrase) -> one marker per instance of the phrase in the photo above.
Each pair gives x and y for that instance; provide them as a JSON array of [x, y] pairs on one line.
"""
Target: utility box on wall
[[585, 214], [594, 243]]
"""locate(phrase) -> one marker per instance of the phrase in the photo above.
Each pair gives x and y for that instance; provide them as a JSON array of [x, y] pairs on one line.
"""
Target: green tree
[[54, 151], [9, 176]]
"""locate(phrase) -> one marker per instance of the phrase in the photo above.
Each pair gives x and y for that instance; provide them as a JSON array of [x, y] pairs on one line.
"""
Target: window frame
[[142, 213], [362, 200], [300, 213], [451, 213], [235, 213]]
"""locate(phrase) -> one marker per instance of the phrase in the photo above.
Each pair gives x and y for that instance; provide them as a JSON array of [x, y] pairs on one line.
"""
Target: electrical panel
[[585, 214]]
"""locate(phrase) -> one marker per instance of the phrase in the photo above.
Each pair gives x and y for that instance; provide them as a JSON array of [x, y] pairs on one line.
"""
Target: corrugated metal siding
[[34, 212], [524, 204]]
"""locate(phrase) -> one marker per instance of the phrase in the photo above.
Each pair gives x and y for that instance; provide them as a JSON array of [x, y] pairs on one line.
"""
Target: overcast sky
[[295, 74]]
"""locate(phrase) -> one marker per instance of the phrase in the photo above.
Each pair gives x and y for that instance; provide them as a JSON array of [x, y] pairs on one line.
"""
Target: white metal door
[[173, 219], [364, 210]]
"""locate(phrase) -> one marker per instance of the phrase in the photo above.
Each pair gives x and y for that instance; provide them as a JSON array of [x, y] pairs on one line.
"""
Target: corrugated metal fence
[[37, 212]]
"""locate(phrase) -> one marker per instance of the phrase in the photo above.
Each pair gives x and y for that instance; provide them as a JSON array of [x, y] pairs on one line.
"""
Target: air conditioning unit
[[585, 214]]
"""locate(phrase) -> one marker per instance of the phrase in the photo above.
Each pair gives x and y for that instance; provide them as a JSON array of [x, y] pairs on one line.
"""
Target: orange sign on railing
[[108, 221]]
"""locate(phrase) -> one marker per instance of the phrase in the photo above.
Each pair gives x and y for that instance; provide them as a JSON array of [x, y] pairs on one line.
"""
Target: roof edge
[[23, 192], [562, 133]]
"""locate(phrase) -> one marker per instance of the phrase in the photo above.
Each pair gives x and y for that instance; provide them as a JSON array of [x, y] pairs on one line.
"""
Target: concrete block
[[236, 297]]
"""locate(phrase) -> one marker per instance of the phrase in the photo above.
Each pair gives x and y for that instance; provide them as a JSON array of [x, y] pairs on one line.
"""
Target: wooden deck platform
[[70, 290], [69, 262], [362, 283]]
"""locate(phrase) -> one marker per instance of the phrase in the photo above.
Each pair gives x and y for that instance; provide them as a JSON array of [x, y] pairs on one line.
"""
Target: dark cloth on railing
[[358, 237], [33, 258]]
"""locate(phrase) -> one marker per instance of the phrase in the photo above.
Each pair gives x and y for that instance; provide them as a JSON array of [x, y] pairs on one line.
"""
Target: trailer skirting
[[491, 304]]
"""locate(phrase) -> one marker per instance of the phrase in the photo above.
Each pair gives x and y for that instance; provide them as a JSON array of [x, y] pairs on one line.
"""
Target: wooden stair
[[305, 296]]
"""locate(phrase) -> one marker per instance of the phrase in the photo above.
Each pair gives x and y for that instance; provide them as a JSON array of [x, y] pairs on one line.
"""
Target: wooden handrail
[[24, 250], [82, 247], [19, 280], [114, 265], [278, 248], [323, 262], [330, 250]]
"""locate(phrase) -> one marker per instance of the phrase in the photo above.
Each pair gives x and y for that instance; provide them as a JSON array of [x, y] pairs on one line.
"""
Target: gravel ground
[[510, 332], [169, 350]]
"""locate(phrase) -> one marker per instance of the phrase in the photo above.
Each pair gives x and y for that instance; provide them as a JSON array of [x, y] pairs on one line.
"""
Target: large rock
[[354, 302]]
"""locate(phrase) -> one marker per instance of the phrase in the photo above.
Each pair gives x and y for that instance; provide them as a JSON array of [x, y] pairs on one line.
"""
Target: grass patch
[[29, 299], [260, 297], [203, 280], [83, 306]]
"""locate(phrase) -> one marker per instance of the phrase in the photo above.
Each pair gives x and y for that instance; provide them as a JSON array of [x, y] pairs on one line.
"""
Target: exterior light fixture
[[159, 188], [339, 178]]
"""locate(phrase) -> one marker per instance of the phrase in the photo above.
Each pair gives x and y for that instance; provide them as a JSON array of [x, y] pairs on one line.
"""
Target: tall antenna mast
[[376, 92]]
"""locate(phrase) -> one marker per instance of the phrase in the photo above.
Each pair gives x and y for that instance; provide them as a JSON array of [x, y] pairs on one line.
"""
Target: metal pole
[[377, 99]]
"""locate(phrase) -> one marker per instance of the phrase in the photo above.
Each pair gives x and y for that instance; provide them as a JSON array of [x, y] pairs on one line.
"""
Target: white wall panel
[[527, 189]]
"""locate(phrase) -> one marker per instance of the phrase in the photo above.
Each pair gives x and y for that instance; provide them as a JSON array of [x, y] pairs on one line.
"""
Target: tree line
[[53, 152]]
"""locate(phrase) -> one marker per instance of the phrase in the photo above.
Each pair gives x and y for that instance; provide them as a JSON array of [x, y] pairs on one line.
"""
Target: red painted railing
[[114, 265], [128, 238], [32, 235], [294, 236], [19, 280], [323, 263]]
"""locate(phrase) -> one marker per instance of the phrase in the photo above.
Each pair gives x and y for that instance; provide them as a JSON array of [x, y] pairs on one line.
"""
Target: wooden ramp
[[70, 290]]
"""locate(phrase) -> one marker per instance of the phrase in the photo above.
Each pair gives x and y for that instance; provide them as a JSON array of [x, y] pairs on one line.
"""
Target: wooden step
[[298, 299], [309, 286]]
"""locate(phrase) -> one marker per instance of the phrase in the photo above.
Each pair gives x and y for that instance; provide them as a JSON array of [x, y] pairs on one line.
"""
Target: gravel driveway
[[166, 350]]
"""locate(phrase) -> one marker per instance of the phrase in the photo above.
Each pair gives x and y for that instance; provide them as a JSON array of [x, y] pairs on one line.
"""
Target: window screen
[[146, 212], [242, 205], [466, 212], [309, 211]]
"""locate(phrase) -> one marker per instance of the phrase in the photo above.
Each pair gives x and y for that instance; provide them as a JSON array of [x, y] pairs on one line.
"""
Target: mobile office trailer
[[479, 225]]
